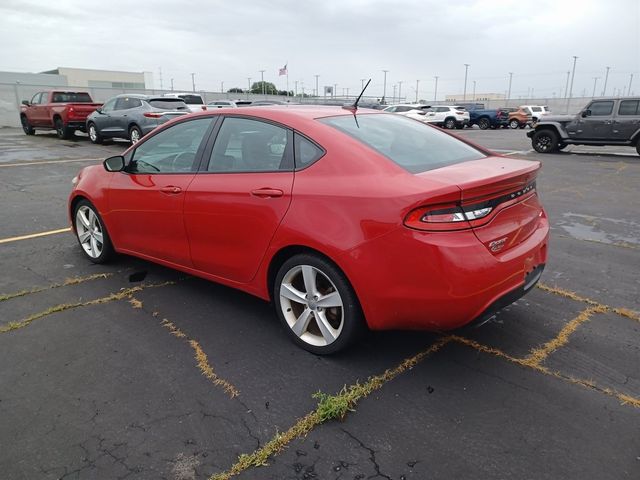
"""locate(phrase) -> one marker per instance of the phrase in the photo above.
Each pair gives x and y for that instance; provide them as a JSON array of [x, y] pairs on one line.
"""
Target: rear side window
[[306, 152], [629, 107], [414, 146], [71, 97], [168, 104], [601, 108]]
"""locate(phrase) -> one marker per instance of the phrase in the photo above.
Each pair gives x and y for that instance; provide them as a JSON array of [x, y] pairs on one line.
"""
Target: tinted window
[[536, 109], [125, 103], [629, 107], [168, 103], [245, 145], [71, 97], [601, 108], [172, 150], [414, 146], [192, 99], [306, 152]]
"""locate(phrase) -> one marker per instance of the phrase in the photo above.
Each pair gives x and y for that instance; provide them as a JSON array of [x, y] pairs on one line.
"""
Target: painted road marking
[[24, 164], [34, 235]]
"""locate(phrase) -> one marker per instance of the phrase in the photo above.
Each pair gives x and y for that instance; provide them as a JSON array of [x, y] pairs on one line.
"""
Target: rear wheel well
[[57, 117]]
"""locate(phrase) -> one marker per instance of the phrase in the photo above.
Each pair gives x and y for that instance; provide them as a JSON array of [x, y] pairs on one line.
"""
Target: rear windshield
[[192, 99], [414, 146], [168, 103], [71, 97]]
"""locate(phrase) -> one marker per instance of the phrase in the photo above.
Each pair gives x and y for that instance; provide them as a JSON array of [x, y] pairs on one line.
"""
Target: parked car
[[408, 110], [536, 111], [485, 117], [194, 101], [132, 116], [222, 104], [447, 116], [63, 111], [389, 224], [518, 117], [607, 121]]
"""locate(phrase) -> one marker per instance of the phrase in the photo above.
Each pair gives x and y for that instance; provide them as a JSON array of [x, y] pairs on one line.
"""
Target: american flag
[[283, 70]]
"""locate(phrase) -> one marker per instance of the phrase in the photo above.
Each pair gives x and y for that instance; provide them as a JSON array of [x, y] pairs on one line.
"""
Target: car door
[[626, 121], [146, 200], [594, 122], [118, 121], [37, 113], [102, 118], [236, 202]]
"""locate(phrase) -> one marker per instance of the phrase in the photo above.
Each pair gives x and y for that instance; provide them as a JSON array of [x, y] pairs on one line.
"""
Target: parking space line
[[66, 283], [329, 407], [34, 235], [48, 162], [124, 293]]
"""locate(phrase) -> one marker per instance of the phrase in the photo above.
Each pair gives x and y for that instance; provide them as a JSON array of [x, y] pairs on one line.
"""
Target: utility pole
[[474, 91], [435, 92], [393, 99], [335, 89], [221, 87], [595, 80], [296, 92], [417, 85], [399, 90], [573, 76], [384, 86], [606, 77], [347, 92], [262, 81], [172, 84], [193, 81], [317, 91], [566, 87], [510, 79], [466, 69], [160, 75], [630, 80]]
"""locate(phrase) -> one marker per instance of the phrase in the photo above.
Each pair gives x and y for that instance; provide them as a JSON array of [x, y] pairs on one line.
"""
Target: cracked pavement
[[108, 391]]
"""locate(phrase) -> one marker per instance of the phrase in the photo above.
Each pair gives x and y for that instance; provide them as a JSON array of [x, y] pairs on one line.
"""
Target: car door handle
[[171, 190], [267, 192]]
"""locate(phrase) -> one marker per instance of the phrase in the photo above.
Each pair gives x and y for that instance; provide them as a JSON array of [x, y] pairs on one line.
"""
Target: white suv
[[411, 110], [194, 101], [447, 116], [536, 111]]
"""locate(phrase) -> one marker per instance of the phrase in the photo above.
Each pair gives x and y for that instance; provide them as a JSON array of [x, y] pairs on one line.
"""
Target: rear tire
[[94, 136], [63, 132], [450, 123], [316, 304], [484, 123], [135, 134], [26, 126], [545, 141], [514, 124]]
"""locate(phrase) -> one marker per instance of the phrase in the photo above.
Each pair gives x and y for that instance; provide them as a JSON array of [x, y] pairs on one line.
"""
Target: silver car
[[132, 116]]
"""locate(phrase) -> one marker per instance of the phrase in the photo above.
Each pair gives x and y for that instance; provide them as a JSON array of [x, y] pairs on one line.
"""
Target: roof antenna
[[354, 107]]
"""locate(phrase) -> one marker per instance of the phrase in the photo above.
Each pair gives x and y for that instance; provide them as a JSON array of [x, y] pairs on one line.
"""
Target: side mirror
[[26, 102], [586, 113], [114, 164], [99, 110]]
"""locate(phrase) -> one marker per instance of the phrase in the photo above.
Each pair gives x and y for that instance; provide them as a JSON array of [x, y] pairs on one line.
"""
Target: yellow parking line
[[34, 235], [24, 164]]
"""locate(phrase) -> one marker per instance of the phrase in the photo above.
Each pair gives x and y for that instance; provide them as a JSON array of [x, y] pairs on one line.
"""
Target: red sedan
[[343, 219]]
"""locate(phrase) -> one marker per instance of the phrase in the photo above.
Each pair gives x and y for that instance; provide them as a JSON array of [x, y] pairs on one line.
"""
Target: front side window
[[108, 106], [246, 145], [171, 151], [36, 99], [414, 146], [599, 109], [629, 107]]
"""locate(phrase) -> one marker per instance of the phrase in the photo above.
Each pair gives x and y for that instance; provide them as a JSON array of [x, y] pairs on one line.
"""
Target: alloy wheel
[[134, 136], [93, 135], [311, 305], [89, 231]]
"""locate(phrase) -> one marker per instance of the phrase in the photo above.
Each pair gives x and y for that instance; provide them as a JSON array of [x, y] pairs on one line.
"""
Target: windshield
[[413, 145], [71, 97], [192, 99]]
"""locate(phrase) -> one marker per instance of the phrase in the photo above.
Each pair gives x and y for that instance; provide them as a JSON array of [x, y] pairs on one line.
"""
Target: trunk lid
[[507, 187]]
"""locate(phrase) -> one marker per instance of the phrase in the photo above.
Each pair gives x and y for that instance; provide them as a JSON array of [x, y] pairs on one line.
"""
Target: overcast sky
[[342, 41]]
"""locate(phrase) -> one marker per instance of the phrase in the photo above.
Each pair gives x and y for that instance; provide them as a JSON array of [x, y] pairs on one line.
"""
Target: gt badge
[[497, 245]]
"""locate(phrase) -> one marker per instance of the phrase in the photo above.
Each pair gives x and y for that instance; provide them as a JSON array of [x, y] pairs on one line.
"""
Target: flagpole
[[287, 65]]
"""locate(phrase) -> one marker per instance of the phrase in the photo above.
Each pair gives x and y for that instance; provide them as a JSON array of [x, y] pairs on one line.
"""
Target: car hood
[[557, 118]]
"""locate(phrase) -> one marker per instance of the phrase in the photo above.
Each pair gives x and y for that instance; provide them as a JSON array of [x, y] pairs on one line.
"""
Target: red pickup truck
[[63, 111]]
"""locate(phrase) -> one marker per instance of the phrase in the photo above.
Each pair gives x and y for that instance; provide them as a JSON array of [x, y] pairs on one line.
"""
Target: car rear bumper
[[442, 280]]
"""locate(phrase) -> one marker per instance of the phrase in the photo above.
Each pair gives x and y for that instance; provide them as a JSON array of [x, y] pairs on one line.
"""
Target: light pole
[[384, 85], [566, 87], [510, 79], [193, 81], [317, 91], [262, 81], [172, 84], [296, 90], [474, 91], [435, 92], [595, 80], [399, 90], [347, 92], [335, 89], [248, 87], [630, 80], [466, 69], [606, 77], [417, 85], [221, 87], [393, 99], [573, 76]]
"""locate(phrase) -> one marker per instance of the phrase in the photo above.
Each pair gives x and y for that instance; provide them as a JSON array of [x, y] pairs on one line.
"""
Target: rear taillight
[[446, 217], [458, 112], [153, 114], [204, 107]]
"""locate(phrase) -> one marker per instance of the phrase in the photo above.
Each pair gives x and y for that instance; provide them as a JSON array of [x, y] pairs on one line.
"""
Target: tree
[[269, 88], [235, 90]]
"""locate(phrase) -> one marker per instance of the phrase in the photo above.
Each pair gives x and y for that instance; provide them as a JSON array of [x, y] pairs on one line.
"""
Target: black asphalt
[[146, 373]]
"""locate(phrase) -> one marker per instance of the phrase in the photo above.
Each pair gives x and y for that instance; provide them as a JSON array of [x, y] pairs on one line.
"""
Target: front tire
[[484, 123], [91, 232], [135, 134], [450, 123], [545, 141], [514, 124], [94, 136], [26, 126], [316, 304]]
